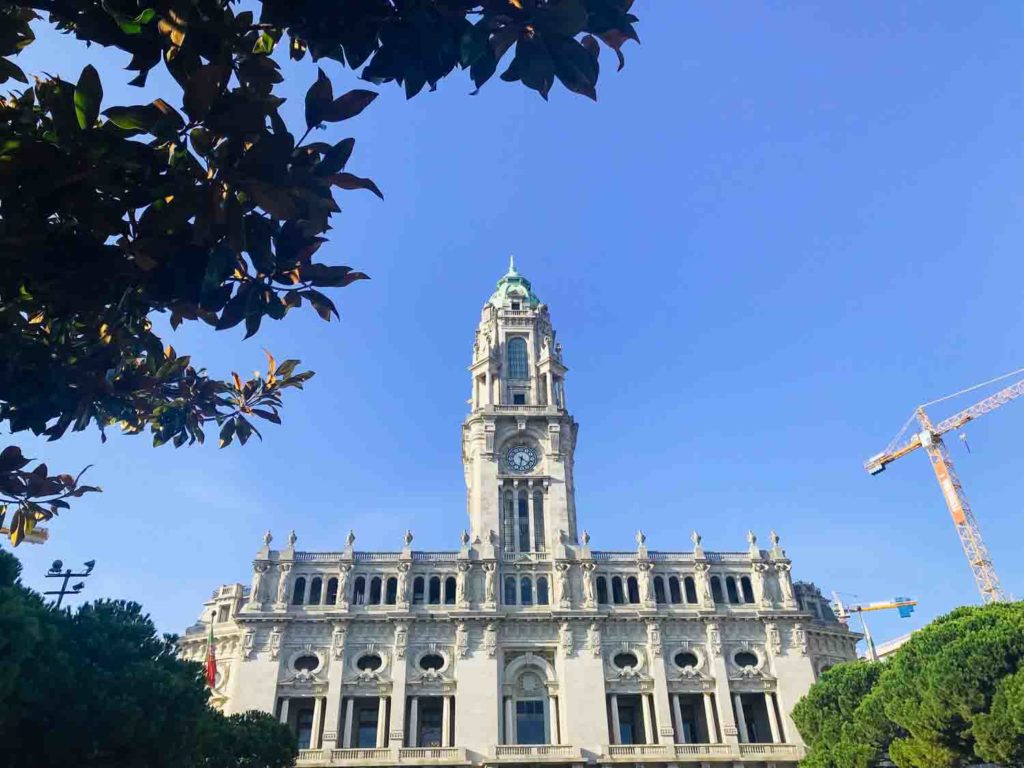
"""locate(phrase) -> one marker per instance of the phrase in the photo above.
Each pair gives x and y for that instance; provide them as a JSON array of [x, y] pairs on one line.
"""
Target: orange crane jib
[[930, 438]]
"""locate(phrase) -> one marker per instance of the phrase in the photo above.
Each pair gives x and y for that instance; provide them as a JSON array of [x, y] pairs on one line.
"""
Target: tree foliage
[[99, 688], [950, 697], [202, 205]]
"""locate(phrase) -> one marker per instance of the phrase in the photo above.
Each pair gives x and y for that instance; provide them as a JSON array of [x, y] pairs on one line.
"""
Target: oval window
[[306, 663], [370, 662], [431, 662], [686, 659], [626, 660], [745, 659]]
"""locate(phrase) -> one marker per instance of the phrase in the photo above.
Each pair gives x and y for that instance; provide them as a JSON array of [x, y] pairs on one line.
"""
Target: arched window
[[299, 591], [525, 591], [332, 592], [716, 590], [618, 597], [690, 586], [434, 596], [510, 590], [449, 591], [417, 591], [359, 591], [375, 590], [602, 590], [730, 589], [747, 590], [542, 590], [391, 591], [524, 522], [538, 521], [316, 586], [633, 590], [517, 366], [659, 589], [508, 521], [673, 590]]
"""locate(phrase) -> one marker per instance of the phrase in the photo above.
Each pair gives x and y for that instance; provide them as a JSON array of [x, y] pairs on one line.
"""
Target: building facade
[[524, 646]]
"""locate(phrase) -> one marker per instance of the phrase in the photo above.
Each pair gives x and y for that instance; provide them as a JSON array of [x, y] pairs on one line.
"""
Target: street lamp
[[56, 572]]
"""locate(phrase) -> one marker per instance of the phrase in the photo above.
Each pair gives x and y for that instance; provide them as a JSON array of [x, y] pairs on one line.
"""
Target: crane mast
[[930, 439]]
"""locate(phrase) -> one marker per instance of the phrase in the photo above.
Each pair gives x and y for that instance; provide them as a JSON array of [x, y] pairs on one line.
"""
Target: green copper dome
[[513, 287]]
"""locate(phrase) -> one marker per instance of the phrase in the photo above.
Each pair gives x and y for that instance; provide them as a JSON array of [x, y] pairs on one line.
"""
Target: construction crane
[[903, 604], [930, 438]]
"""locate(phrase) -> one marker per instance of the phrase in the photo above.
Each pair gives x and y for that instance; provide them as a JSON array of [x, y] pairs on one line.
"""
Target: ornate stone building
[[524, 646]]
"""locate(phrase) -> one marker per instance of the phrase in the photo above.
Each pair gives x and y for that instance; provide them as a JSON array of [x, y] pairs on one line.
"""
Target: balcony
[[639, 753], [772, 751], [536, 753], [661, 753], [432, 755], [367, 756], [703, 751]]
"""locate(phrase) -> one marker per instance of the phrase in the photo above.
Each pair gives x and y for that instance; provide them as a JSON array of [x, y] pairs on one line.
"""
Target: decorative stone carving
[[760, 594], [461, 641], [490, 641], [338, 642], [643, 569], [800, 638], [490, 598], [267, 538], [703, 583], [714, 639], [257, 594], [774, 638], [565, 640], [343, 571], [248, 644], [283, 582], [589, 598], [561, 585], [292, 538], [402, 591], [461, 590], [594, 640], [401, 639], [782, 570], [698, 550], [274, 642], [654, 638]]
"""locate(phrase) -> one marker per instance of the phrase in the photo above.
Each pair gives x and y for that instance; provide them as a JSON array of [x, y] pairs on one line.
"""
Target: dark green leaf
[[348, 105], [318, 99], [351, 181]]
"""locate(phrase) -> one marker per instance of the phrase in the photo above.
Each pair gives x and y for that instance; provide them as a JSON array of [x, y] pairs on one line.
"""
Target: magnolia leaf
[[348, 105], [318, 99], [351, 181]]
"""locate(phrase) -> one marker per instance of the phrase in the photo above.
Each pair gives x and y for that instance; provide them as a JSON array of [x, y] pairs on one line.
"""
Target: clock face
[[521, 458]]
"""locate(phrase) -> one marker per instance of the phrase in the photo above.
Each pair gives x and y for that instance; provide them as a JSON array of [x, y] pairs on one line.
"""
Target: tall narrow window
[[602, 590], [530, 722], [747, 589], [417, 591], [716, 590], [691, 589], [449, 591], [299, 591], [730, 589], [304, 727], [315, 588], [659, 589], [674, 595], [508, 521], [391, 591], [538, 521], [434, 597], [524, 522], [542, 590], [359, 591], [517, 367], [633, 590], [510, 590], [375, 590], [332, 592], [525, 591], [618, 597]]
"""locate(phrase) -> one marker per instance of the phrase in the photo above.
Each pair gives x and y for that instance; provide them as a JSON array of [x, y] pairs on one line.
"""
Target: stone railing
[[317, 557], [638, 751], [528, 752], [384, 755], [702, 750], [770, 751], [307, 756]]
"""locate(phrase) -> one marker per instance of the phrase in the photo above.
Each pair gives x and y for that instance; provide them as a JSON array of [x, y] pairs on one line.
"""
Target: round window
[[626, 660], [431, 662], [686, 659], [745, 659], [370, 662], [306, 663]]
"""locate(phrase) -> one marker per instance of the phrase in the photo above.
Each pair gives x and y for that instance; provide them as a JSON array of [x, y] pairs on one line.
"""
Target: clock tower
[[518, 439]]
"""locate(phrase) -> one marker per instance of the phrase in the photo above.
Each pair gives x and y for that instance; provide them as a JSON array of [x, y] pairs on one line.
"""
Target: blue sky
[[782, 226]]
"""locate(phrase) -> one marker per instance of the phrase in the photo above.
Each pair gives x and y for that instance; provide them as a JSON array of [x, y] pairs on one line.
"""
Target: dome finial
[[512, 265]]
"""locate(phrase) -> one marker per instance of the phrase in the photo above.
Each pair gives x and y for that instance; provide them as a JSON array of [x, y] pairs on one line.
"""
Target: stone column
[[741, 720], [650, 737], [382, 722], [553, 720], [446, 721], [616, 730], [716, 662], [490, 389], [773, 721], [551, 394], [284, 711], [318, 710], [414, 721], [678, 717], [347, 737], [529, 511], [510, 721], [709, 714]]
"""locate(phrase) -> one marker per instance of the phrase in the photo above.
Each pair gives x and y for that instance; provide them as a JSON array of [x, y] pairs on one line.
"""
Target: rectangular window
[[530, 722], [366, 724], [518, 398], [431, 719], [304, 728]]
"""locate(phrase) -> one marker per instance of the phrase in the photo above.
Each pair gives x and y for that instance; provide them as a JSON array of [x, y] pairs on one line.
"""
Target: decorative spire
[[407, 539], [641, 537], [292, 538], [267, 538], [351, 538], [512, 265]]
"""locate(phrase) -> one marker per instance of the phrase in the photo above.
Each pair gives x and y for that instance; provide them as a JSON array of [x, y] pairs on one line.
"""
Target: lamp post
[[57, 572]]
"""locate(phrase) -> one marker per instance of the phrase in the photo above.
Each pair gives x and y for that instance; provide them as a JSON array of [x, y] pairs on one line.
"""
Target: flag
[[211, 660]]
